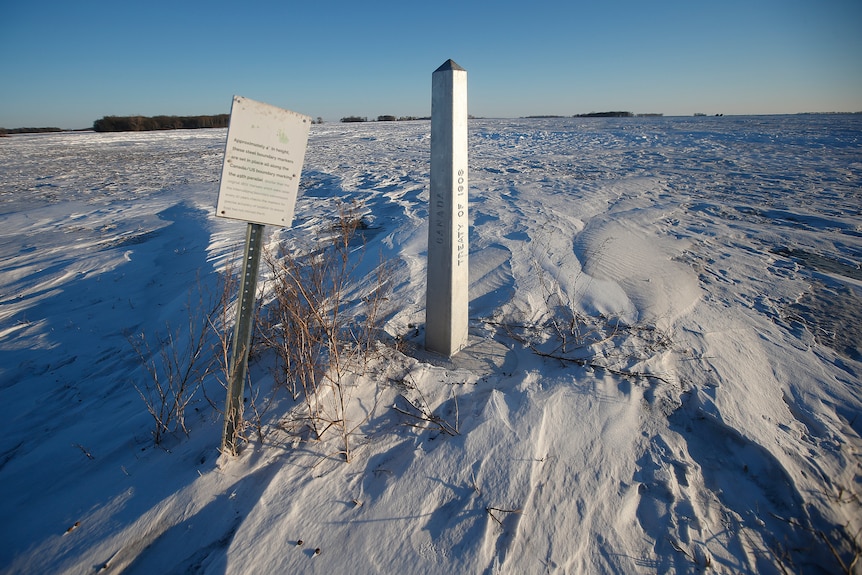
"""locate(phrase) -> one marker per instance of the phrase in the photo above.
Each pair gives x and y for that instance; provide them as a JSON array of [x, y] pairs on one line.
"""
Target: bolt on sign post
[[259, 182], [446, 307]]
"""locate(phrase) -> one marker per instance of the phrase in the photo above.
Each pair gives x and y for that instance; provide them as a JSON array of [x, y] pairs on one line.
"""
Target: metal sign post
[[242, 336], [259, 183]]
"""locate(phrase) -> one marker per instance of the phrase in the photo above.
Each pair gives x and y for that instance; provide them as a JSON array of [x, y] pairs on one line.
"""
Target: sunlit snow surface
[[738, 239]]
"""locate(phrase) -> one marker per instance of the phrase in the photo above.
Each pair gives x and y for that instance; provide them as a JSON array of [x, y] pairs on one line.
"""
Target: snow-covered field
[[703, 412]]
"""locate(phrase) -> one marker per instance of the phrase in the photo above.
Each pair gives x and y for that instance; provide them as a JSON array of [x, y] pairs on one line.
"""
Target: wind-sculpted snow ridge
[[663, 372]]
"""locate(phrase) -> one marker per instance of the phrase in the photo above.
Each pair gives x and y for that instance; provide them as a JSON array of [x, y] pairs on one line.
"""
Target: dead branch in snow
[[423, 413], [491, 510]]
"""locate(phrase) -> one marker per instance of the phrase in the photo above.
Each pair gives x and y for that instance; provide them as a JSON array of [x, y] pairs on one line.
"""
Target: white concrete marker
[[446, 307]]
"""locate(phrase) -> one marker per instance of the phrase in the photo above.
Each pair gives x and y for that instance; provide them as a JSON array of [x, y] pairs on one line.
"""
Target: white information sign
[[262, 163]]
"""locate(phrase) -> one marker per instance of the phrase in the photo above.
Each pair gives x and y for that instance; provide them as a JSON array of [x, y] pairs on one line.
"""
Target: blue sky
[[67, 64]]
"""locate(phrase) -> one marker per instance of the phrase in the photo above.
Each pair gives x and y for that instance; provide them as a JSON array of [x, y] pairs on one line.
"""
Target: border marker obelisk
[[446, 307]]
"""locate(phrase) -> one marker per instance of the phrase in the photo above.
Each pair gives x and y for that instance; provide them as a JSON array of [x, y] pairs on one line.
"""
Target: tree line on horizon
[[615, 114], [150, 123], [384, 118], [8, 131]]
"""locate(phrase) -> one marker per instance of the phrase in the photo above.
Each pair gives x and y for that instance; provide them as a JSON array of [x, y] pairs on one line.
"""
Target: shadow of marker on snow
[[482, 356]]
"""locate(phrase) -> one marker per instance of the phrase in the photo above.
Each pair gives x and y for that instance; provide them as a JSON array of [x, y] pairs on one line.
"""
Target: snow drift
[[663, 372]]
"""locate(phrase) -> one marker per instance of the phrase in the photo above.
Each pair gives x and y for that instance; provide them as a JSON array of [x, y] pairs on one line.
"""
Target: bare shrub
[[320, 345], [177, 368], [220, 322], [183, 359]]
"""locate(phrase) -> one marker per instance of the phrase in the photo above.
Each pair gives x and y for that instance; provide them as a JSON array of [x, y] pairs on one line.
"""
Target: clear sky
[[67, 63]]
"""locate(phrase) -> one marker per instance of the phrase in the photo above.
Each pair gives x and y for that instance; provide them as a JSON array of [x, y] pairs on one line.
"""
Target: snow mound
[[663, 372]]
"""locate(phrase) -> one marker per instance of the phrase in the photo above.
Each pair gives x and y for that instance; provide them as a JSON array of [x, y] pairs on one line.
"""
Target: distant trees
[[7, 131], [602, 115], [605, 115], [144, 123], [384, 118]]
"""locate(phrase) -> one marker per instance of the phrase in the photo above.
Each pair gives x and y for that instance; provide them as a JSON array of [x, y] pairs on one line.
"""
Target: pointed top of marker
[[449, 65]]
